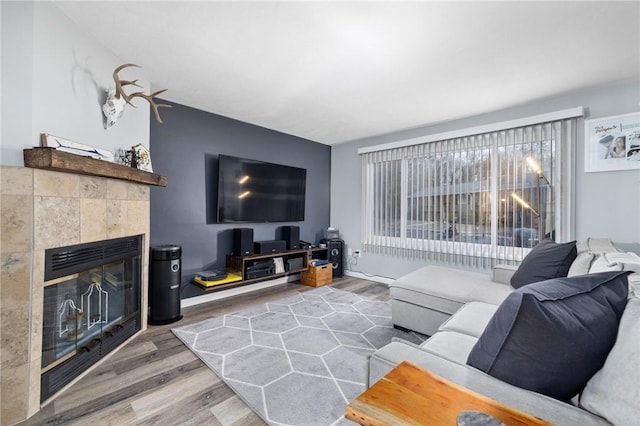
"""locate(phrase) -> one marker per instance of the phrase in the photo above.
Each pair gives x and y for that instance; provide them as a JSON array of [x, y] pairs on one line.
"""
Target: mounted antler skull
[[117, 98]]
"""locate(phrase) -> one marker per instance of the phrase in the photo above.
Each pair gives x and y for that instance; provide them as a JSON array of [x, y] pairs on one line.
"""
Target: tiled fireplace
[[43, 210]]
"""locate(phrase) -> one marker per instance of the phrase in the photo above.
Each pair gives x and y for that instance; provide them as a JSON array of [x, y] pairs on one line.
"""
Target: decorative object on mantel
[[66, 145], [117, 98], [143, 157], [125, 157], [612, 143], [52, 159], [138, 156]]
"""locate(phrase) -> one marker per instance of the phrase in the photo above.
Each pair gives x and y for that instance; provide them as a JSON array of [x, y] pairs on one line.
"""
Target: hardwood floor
[[156, 380]]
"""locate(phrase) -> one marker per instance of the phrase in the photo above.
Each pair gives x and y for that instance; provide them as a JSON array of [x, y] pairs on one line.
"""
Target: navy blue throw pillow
[[546, 260], [552, 336]]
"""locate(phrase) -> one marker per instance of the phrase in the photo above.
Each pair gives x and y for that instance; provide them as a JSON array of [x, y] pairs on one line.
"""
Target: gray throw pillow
[[552, 336], [545, 261]]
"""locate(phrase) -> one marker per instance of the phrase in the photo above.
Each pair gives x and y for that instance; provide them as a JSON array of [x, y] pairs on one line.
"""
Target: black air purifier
[[165, 277]]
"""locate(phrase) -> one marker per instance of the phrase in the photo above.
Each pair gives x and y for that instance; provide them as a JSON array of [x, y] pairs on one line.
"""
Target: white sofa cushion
[[613, 392], [503, 273], [471, 319], [447, 289], [450, 345]]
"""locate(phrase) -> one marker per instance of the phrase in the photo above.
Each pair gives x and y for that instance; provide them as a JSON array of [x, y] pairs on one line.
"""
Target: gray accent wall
[[607, 204], [185, 148]]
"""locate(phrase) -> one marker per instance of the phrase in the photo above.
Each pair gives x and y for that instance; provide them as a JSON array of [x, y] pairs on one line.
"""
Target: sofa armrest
[[552, 410], [502, 273]]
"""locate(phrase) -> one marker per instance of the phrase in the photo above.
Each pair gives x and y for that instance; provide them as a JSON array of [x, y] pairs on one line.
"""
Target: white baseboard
[[376, 278], [223, 294]]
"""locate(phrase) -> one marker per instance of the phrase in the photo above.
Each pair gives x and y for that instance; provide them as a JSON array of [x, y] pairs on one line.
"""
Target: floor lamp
[[534, 166]]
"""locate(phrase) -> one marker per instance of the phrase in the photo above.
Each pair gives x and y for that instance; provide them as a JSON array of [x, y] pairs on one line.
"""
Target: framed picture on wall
[[612, 143]]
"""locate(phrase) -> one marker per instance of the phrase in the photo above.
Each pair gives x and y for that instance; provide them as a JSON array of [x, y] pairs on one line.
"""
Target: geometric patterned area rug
[[298, 360]]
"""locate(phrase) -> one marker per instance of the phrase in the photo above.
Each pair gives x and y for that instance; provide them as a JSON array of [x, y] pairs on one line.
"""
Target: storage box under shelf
[[317, 276]]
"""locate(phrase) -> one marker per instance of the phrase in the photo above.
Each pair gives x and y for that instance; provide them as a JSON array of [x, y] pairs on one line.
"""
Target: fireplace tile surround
[[43, 209]]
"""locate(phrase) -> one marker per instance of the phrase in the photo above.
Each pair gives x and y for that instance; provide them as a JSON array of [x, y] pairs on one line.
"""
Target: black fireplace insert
[[92, 304]]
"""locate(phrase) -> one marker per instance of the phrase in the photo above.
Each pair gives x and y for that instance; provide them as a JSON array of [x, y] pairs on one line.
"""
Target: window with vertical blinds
[[472, 200]]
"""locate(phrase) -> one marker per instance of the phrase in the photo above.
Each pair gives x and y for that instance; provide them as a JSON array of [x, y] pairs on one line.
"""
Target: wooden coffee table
[[410, 395]]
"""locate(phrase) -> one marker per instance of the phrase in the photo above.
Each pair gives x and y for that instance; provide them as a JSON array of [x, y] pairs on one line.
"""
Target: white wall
[[54, 79], [607, 203], [17, 67]]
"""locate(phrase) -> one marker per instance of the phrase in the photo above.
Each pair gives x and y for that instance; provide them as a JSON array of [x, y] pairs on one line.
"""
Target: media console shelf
[[239, 264]]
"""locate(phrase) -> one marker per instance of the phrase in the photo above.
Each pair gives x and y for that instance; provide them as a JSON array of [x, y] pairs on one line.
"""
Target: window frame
[[563, 189]]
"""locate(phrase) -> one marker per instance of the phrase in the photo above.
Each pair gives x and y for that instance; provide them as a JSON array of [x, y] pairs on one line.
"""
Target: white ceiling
[[338, 71]]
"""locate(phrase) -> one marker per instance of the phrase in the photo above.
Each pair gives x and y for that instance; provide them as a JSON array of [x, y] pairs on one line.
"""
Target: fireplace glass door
[[86, 308], [92, 304]]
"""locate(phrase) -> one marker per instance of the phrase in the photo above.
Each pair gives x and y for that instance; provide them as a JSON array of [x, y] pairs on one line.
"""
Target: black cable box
[[212, 275]]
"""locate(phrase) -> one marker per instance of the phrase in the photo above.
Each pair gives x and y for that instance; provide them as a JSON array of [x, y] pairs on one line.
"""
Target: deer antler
[[121, 83], [149, 98], [120, 92]]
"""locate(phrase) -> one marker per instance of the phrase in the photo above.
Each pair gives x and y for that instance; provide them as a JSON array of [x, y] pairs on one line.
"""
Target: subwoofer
[[335, 247], [242, 241], [291, 235]]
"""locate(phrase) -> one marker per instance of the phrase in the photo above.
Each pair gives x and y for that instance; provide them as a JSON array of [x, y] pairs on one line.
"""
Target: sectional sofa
[[563, 348]]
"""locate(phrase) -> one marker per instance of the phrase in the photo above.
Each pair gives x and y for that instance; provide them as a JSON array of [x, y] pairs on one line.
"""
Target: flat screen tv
[[255, 191]]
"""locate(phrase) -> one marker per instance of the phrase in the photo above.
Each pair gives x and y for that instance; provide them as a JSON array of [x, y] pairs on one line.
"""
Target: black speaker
[[291, 234], [242, 241], [335, 247], [165, 277], [271, 246]]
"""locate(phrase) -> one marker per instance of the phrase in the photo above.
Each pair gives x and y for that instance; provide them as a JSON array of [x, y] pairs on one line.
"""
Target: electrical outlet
[[356, 253]]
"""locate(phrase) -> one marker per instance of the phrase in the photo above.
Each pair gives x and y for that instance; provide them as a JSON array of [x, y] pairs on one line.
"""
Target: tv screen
[[255, 191]]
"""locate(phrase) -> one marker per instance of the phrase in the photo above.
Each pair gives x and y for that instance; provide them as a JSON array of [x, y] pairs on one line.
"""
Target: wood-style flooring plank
[[126, 394], [197, 403], [116, 415], [231, 410], [156, 380], [80, 395]]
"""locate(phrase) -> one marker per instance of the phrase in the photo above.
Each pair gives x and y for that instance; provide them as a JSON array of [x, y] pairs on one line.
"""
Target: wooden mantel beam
[[52, 159]]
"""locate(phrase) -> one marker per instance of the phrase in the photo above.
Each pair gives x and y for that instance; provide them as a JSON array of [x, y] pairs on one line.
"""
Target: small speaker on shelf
[[271, 246], [291, 235], [242, 241], [335, 247]]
